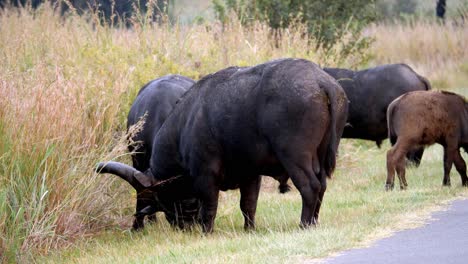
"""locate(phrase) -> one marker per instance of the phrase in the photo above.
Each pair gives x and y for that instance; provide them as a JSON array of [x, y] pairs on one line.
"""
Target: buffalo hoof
[[249, 228], [138, 226], [303, 225], [315, 221], [465, 183], [388, 187], [207, 229], [284, 188]]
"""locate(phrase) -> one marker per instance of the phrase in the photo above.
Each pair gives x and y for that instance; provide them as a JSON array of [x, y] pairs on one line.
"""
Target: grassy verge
[[356, 210]]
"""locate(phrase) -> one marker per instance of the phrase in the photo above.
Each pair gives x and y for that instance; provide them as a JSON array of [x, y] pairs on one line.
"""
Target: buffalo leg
[[461, 167], [378, 143], [248, 201], [309, 187], [390, 170], [144, 199], [448, 161], [414, 157], [152, 217], [208, 194], [208, 210], [401, 170], [395, 162], [323, 183], [139, 220], [283, 183], [140, 162]]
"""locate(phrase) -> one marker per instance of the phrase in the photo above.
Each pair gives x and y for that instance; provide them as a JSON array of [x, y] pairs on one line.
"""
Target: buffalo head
[[173, 196]]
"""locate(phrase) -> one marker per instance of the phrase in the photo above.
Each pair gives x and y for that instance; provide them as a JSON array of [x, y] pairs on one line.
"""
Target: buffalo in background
[[283, 117], [154, 102], [370, 92], [419, 119]]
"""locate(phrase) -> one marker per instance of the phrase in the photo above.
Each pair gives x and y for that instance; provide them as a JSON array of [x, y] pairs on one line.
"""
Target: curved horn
[[135, 177]]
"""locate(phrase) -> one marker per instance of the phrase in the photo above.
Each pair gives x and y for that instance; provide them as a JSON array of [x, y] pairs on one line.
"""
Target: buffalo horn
[[136, 178]]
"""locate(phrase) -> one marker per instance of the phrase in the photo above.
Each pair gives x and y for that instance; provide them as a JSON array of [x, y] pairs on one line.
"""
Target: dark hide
[[155, 100], [370, 92], [423, 118], [277, 118]]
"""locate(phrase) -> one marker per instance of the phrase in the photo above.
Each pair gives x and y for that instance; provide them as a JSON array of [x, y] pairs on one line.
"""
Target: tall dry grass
[[436, 50]]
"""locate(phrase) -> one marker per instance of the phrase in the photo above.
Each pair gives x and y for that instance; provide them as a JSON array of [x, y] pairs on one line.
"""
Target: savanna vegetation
[[67, 82]]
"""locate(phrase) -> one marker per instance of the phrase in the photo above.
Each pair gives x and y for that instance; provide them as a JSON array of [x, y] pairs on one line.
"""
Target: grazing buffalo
[[370, 92], [153, 103], [419, 119], [276, 118]]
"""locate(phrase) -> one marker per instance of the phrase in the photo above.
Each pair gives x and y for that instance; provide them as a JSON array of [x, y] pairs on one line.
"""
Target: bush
[[328, 22]]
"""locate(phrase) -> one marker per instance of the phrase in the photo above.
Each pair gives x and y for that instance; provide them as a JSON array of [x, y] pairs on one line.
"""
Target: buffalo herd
[[283, 118]]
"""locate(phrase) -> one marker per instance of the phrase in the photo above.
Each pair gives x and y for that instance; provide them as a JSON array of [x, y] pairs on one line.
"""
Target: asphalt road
[[443, 240]]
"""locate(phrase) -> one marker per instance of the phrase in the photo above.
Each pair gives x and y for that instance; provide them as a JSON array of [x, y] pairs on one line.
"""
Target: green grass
[[356, 210]]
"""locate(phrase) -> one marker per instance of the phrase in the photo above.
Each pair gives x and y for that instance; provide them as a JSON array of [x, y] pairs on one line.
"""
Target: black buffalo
[[283, 117], [153, 103], [370, 92]]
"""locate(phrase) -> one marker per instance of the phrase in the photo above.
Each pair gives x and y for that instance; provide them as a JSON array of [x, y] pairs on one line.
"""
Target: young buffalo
[[422, 118]]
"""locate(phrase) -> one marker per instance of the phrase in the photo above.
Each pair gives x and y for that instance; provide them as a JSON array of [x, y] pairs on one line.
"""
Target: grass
[[437, 51], [66, 85], [356, 210]]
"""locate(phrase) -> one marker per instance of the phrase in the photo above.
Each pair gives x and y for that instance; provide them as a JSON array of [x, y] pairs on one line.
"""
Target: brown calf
[[422, 118]]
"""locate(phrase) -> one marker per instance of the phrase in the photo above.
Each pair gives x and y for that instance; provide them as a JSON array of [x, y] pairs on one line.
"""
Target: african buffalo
[[422, 118], [153, 103], [276, 118], [370, 92]]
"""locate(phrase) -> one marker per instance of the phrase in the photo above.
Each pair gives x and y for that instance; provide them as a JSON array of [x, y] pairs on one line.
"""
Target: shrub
[[328, 22]]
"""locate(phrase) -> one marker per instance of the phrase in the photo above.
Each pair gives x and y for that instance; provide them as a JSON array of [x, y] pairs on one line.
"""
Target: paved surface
[[443, 240]]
